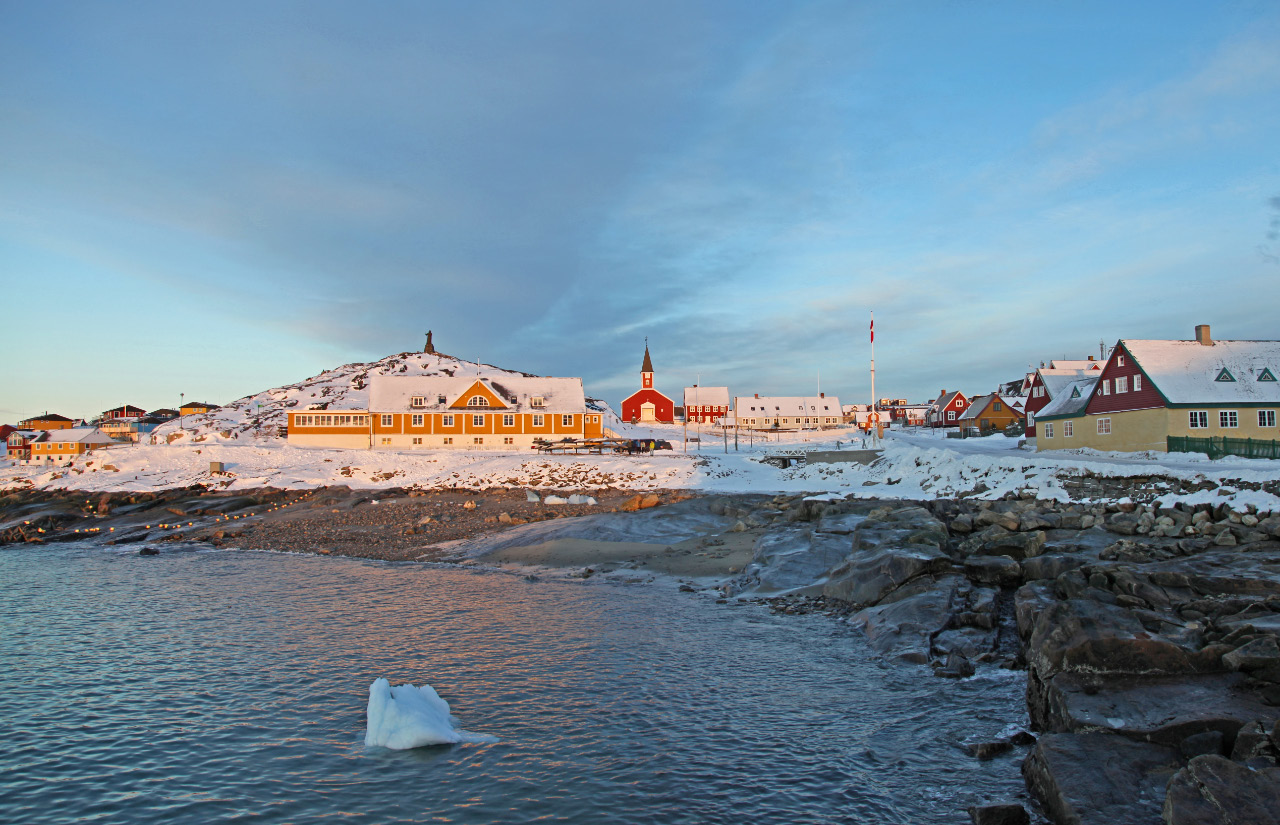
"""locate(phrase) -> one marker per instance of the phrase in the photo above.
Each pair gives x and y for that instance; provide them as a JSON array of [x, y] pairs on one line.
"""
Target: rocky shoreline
[[1148, 635]]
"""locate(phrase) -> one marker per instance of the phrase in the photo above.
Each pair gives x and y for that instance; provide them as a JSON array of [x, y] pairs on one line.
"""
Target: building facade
[[778, 412], [62, 446], [647, 405], [705, 405]]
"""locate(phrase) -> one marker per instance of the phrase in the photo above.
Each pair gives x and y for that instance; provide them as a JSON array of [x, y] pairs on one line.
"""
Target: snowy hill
[[265, 414]]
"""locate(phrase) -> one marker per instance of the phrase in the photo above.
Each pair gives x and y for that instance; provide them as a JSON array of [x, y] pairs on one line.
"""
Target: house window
[[417, 441], [1104, 426], [1122, 384], [1228, 419], [1048, 430], [539, 420], [448, 441], [1198, 419], [386, 441], [386, 420], [477, 420], [996, 407], [1068, 429], [477, 401], [477, 440], [1137, 383], [417, 401], [440, 399], [951, 415], [1225, 376], [417, 420], [508, 440], [1119, 360], [1106, 387], [508, 420], [537, 401], [446, 421], [566, 420], [1266, 418]]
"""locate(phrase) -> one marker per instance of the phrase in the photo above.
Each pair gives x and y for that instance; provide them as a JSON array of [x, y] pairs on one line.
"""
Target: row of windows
[[801, 407], [331, 420], [1121, 384], [478, 440], [418, 420], [753, 421], [473, 401], [1227, 419]]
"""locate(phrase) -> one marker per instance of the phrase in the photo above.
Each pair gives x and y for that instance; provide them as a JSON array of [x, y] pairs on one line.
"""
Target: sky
[[203, 201]]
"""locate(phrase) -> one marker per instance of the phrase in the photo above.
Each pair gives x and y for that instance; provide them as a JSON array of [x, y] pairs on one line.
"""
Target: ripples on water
[[228, 686]]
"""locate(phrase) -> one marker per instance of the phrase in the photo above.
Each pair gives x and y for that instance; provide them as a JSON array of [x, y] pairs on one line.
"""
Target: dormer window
[[537, 401], [1266, 375], [1225, 376], [440, 399], [418, 401], [477, 401]]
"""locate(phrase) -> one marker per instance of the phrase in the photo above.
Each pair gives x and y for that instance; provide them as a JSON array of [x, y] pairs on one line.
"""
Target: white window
[[951, 415], [1106, 387], [1198, 419], [1119, 360], [508, 420], [477, 401], [446, 421], [566, 420], [1048, 430], [1068, 429], [417, 420], [417, 441], [1266, 418], [508, 440], [1122, 384], [539, 420], [1104, 426], [386, 420], [417, 401], [537, 401], [1137, 383], [386, 441], [1228, 419], [477, 420]]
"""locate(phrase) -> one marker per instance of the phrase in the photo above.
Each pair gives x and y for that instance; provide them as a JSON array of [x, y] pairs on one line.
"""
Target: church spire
[[646, 368]]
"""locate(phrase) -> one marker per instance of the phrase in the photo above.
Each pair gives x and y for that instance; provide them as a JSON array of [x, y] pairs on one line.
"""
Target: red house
[[946, 411], [647, 405], [1047, 382]]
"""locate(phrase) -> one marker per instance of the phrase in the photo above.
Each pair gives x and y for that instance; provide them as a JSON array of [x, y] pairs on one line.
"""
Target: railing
[[1218, 447]]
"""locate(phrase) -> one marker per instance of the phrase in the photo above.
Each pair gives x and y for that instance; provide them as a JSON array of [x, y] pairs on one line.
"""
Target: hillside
[[264, 415]]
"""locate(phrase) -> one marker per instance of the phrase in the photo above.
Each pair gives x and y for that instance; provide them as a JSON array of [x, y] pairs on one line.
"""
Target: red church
[[647, 405]]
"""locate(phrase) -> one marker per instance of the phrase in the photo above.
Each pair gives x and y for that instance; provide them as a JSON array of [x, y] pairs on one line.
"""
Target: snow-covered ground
[[915, 464]]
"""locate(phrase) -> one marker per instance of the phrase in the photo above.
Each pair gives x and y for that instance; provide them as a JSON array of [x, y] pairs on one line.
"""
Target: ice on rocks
[[405, 716]]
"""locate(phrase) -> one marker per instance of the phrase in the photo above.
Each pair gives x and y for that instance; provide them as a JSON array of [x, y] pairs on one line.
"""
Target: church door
[[648, 412]]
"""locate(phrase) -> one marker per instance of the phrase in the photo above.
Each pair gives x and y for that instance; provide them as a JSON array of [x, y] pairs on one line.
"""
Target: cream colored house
[[818, 412]]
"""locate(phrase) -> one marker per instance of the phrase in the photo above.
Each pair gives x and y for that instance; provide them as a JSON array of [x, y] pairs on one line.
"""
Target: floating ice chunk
[[530, 495], [578, 498], [405, 717]]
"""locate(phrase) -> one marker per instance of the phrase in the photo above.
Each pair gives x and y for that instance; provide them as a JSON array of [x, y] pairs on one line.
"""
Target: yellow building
[[196, 408], [1150, 391], [61, 446], [440, 412]]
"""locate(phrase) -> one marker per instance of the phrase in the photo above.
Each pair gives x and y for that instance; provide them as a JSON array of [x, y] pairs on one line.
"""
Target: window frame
[[1048, 429], [477, 420], [388, 420], [1228, 419], [446, 421], [1197, 419], [1068, 429], [1266, 419], [1104, 426]]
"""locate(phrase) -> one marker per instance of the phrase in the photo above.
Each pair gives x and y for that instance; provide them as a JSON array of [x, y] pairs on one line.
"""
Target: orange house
[[61, 446], [438, 412], [48, 421]]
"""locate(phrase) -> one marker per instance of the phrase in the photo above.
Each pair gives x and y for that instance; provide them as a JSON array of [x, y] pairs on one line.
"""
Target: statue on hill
[[430, 348]]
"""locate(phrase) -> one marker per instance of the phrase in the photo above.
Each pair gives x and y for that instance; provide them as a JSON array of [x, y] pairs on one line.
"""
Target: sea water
[[227, 686]]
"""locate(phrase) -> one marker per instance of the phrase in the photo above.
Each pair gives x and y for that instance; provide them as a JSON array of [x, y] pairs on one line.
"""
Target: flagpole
[[874, 423]]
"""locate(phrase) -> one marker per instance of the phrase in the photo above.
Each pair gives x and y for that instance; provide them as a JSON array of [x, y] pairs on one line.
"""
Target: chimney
[[1090, 357], [757, 395], [1202, 335], [822, 395]]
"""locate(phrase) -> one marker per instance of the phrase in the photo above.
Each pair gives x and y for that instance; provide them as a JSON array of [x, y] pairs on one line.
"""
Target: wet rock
[[957, 666], [1202, 743], [1050, 566], [1099, 779], [148, 551], [1009, 814], [988, 750], [903, 625], [889, 551], [1126, 524], [1256, 655], [1212, 790], [1000, 570]]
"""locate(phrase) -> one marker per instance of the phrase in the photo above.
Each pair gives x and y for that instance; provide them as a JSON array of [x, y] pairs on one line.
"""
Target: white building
[[790, 412]]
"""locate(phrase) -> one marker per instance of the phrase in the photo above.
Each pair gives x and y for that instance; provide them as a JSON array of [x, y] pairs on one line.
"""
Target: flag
[[873, 330]]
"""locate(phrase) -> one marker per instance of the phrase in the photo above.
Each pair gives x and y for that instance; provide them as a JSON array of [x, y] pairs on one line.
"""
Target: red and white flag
[[873, 329]]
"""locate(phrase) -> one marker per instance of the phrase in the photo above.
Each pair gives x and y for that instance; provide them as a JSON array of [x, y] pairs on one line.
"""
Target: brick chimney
[[1202, 335], [822, 395], [757, 395]]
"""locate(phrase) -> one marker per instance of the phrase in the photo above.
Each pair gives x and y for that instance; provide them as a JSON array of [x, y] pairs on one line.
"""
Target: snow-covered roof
[[979, 405], [1224, 372], [1075, 364], [746, 406], [79, 435], [706, 396], [1015, 402], [1054, 380], [395, 393], [1071, 398]]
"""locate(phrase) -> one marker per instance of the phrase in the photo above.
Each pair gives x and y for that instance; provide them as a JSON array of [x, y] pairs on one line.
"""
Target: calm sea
[[225, 686]]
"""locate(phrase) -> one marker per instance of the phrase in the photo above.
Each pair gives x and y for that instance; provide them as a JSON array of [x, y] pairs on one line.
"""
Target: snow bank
[[407, 717]]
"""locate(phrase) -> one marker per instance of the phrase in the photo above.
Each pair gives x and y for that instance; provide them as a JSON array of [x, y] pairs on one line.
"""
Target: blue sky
[[217, 199]]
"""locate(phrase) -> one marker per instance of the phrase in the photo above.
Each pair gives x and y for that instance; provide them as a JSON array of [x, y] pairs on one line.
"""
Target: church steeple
[[646, 368]]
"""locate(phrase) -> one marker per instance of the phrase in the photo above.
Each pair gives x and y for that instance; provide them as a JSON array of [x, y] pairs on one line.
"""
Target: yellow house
[[196, 408], [1152, 390], [61, 446], [440, 412]]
